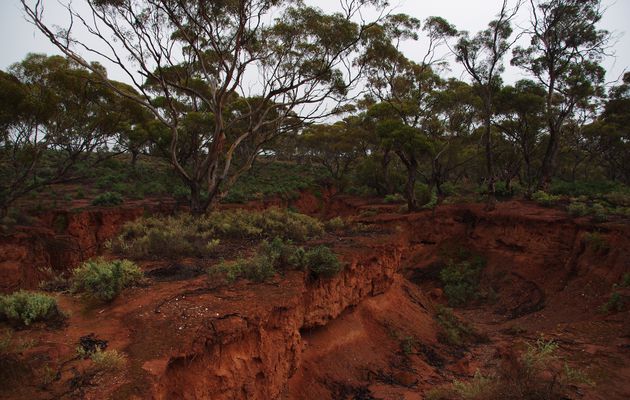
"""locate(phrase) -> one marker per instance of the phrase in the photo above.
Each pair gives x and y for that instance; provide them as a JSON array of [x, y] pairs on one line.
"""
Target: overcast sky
[[19, 37]]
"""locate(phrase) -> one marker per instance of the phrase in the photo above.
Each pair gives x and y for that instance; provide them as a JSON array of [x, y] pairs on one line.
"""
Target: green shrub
[[616, 303], [104, 280], [461, 280], [545, 199], [257, 269], [322, 262], [453, 331], [24, 308], [423, 194], [275, 256], [108, 199], [621, 199], [534, 374], [578, 209], [108, 360], [187, 235], [335, 224], [283, 255], [596, 242], [394, 198], [578, 188], [599, 213]]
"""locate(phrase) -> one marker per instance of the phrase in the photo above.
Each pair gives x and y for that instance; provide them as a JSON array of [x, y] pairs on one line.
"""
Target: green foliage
[[578, 209], [283, 254], [257, 269], [596, 242], [394, 198], [274, 256], [108, 360], [616, 303], [453, 331], [545, 199], [461, 280], [275, 179], [104, 280], [187, 235], [335, 224], [322, 262], [108, 199], [532, 375], [581, 188], [24, 308]]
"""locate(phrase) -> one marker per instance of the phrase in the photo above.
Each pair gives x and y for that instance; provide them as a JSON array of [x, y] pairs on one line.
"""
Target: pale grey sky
[[19, 37]]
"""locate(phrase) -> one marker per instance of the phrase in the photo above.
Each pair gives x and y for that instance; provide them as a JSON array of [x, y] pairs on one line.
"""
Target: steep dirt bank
[[370, 332], [60, 241], [546, 274]]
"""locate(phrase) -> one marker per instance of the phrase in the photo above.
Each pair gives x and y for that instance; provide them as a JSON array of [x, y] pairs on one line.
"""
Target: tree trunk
[[134, 159], [489, 156], [410, 194], [549, 161], [385, 160], [196, 206]]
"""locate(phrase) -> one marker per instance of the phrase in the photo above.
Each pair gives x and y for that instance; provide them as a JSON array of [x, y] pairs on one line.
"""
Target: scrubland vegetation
[[232, 115]]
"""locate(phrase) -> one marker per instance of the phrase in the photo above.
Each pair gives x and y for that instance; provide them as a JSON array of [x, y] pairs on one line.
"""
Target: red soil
[[347, 337]]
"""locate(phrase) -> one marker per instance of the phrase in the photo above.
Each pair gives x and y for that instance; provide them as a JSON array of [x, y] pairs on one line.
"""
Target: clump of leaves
[[24, 308], [108, 199], [394, 198], [455, 332], [596, 242], [187, 235], [335, 224], [545, 199], [534, 374], [616, 303], [322, 262], [104, 280], [461, 280], [274, 256], [108, 360]]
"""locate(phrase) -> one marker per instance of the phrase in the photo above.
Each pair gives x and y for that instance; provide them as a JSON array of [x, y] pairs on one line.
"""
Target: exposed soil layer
[[369, 333]]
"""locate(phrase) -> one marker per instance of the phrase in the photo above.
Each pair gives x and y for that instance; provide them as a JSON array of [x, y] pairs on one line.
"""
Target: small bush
[[104, 280], [275, 256], [187, 235], [578, 209], [461, 281], [394, 198], [616, 303], [257, 269], [108, 199], [545, 199], [455, 332], [24, 308], [596, 242], [283, 255], [108, 360], [534, 374], [335, 224], [322, 262], [599, 213]]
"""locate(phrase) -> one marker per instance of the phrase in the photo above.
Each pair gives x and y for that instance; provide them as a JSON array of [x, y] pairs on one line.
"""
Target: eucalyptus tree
[[482, 58], [564, 53], [520, 118], [609, 135], [191, 59], [336, 146], [405, 91], [56, 115]]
